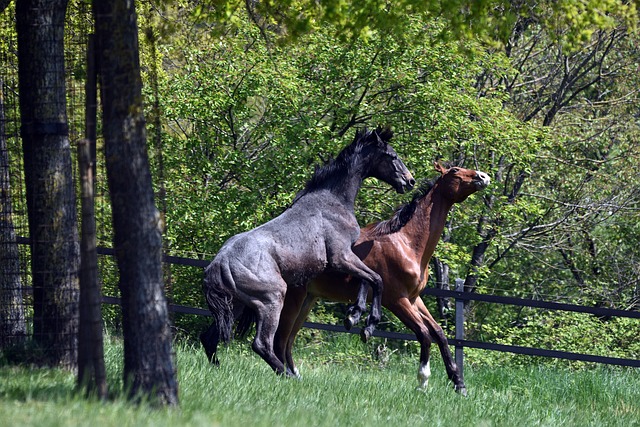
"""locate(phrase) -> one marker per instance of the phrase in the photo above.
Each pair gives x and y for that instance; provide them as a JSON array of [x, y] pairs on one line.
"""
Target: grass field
[[334, 391]]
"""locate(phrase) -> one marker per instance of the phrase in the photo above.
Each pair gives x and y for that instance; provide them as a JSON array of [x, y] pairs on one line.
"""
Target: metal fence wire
[[38, 299], [13, 271]]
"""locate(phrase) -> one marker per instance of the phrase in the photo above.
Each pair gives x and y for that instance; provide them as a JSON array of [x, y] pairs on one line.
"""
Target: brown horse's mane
[[404, 213]]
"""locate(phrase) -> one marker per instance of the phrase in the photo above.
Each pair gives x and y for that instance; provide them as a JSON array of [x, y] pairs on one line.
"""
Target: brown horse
[[399, 249]]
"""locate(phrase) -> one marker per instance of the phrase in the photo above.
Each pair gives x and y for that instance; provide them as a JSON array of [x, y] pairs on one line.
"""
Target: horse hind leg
[[267, 307], [436, 332], [210, 339], [263, 343]]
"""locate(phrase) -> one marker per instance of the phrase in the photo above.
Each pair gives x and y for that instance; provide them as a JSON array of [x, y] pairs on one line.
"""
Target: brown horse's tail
[[218, 290]]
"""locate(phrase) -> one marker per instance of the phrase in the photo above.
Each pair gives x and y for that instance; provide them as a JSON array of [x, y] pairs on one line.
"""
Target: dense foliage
[[245, 120]]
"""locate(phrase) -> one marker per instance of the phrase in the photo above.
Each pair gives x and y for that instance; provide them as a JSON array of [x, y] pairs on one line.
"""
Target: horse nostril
[[484, 178], [412, 182]]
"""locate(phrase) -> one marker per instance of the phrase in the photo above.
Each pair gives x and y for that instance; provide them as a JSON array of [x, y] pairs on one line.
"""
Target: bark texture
[[148, 360], [48, 177]]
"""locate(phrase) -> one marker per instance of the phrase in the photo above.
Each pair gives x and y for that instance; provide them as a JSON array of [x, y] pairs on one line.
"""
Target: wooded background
[[242, 102]]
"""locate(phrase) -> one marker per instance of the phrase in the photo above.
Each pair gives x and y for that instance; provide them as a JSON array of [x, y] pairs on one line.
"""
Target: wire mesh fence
[[39, 267], [42, 63], [14, 277]]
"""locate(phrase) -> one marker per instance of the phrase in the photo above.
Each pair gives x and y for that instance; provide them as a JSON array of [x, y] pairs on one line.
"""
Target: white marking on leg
[[424, 372]]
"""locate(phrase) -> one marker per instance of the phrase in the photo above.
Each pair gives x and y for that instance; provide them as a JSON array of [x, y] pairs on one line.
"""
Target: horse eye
[[455, 170]]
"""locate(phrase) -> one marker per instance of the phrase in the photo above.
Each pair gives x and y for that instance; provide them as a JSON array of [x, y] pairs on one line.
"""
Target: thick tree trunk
[[13, 327], [148, 360], [48, 177]]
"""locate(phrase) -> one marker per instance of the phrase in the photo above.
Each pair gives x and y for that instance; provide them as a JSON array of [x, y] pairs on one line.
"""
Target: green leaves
[[490, 21], [246, 120]]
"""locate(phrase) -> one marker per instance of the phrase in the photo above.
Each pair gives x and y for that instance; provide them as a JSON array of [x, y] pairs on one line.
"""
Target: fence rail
[[458, 341]]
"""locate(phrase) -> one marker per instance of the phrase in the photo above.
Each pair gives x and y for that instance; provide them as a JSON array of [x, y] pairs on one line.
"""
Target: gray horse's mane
[[404, 213], [342, 165]]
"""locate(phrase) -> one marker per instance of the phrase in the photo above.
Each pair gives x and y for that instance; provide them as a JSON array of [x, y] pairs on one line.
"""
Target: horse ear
[[384, 134], [439, 168]]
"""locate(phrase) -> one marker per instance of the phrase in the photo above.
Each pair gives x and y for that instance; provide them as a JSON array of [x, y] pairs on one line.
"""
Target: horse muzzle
[[481, 180], [407, 184]]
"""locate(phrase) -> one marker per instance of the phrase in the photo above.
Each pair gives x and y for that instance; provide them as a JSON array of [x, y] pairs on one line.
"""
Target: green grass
[[341, 387]]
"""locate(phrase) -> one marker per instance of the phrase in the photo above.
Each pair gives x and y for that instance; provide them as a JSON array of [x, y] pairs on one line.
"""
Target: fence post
[[459, 351]]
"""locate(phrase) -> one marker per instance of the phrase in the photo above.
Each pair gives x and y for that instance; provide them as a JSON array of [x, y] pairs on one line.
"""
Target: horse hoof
[[365, 334], [462, 390], [293, 375], [348, 323]]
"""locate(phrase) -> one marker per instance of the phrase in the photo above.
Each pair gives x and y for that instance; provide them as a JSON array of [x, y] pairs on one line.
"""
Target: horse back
[[290, 246]]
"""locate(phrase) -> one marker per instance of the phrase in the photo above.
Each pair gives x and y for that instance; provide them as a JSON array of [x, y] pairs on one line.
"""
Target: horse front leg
[[293, 314], [424, 370], [376, 311], [349, 263], [354, 311]]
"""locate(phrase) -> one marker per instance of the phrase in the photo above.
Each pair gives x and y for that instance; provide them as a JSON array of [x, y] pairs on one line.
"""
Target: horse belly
[[334, 287], [301, 263]]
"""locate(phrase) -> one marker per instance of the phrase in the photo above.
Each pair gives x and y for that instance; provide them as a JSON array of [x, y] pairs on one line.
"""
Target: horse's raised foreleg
[[354, 311], [349, 263], [376, 311], [438, 335]]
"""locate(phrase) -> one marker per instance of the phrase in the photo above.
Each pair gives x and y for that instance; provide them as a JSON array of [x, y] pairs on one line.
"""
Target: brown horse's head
[[459, 183]]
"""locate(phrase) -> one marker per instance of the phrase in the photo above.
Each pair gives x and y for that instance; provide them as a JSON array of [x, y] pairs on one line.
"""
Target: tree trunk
[[48, 178], [13, 327], [91, 366], [148, 360]]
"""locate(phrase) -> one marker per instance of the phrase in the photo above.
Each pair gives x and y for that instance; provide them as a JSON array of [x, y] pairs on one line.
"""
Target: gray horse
[[249, 277]]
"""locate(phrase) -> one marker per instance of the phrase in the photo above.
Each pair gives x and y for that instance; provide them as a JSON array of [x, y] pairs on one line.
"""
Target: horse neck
[[346, 186], [425, 228]]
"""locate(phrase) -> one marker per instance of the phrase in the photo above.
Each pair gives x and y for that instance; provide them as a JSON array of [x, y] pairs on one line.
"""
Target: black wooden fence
[[458, 340]]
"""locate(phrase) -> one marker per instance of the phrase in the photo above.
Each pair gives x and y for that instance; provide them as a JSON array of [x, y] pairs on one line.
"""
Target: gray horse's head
[[384, 163]]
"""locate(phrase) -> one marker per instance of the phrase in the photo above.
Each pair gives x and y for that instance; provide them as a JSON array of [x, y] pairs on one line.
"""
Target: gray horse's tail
[[245, 322], [219, 296]]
